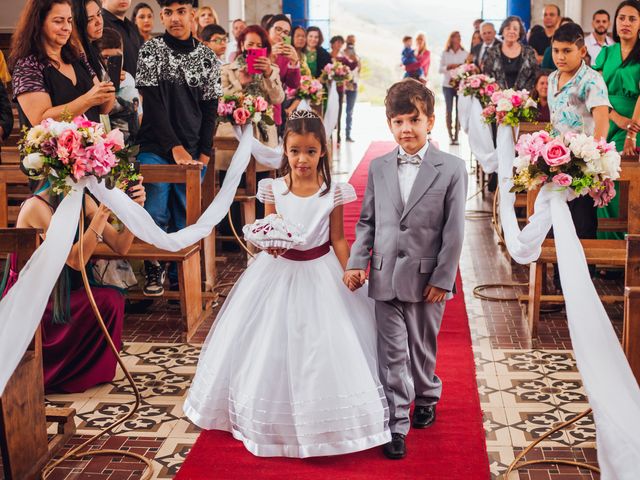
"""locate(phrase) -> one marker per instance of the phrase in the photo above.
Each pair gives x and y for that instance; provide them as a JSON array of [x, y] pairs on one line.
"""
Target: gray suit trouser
[[407, 345]]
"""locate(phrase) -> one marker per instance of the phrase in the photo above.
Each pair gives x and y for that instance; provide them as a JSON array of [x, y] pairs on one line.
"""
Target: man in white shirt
[[598, 38]]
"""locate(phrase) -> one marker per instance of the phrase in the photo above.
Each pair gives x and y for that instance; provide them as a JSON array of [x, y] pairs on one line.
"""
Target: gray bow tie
[[406, 159]]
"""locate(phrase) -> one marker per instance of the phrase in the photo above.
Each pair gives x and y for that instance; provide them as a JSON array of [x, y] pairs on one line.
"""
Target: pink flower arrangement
[[574, 161], [511, 107], [462, 73], [480, 86], [71, 150], [310, 89], [244, 109], [241, 115], [336, 72]]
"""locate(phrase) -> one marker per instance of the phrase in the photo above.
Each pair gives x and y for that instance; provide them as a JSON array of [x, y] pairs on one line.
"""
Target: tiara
[[298, 114]]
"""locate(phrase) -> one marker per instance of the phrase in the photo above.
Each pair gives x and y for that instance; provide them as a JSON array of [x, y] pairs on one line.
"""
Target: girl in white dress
[[289, 367]]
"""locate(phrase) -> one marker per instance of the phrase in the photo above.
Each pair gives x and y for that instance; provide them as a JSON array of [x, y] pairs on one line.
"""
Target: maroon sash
[[304, 255]]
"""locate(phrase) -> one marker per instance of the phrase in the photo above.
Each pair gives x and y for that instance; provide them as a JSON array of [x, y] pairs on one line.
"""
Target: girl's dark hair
[[303, 124], [258, 30], [507, 22], [634, 55], [534, 92], [27, 38], [81, 20], [137, 8], [277, 18], [320, 35]]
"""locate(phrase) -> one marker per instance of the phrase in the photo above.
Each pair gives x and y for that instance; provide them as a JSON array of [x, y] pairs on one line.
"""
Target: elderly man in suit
[[488, 34], [410, 232]]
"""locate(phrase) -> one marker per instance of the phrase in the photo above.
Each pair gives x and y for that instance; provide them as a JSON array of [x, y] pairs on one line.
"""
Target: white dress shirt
[[593, 47], [484, 48], [407, 172], [451, 58]]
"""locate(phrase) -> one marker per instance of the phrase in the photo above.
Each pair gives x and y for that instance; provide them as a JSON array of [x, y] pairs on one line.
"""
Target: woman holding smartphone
[[254, 42], [286, 57]]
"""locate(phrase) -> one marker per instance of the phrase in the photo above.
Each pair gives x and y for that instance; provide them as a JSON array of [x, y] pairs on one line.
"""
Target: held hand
[[275, 252], [100, 93], [102, 214], [354, 279], [204, 159], [634, 127], [264, 64], [621, 121], [291, 53], [433, 294], [182, 157], [244, 78], [138, 193], [630, 147]]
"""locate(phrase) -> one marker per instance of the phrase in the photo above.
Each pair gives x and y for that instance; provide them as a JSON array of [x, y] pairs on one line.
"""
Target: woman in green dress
[[620, 67], [317, 56]]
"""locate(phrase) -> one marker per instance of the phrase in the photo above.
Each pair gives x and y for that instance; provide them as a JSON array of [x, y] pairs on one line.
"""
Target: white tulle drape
[[333, 109], [608, 380], [22, 308], [464, 111], [480, 139]]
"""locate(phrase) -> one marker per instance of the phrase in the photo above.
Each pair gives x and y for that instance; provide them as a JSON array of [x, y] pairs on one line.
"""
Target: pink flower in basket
[[562, 180], [69, 144], [556, 153], [516, 100], [241, 115], [490, 88], [495, 97], [489, 110], [260, 104], [115, 140], [475, 82], [101, 159]]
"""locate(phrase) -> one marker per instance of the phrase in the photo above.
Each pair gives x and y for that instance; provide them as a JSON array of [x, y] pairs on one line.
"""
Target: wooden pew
[[600, 252], [23, 417], [631, 329], [188, 259]]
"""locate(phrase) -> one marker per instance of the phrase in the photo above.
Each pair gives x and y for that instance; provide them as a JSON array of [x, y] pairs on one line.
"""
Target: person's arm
[[336, 232], [444, 275], [365, 229], [443, 65], [6, 115], [425, 62], [157, 114], [632, 132], [209, 109], [601, 120]]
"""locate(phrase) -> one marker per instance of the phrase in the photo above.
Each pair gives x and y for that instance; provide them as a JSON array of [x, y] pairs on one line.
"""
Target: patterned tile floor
[[525, 386]]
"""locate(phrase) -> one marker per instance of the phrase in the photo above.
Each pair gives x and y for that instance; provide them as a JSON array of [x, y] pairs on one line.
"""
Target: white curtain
[[480, 139], [22, 309], [608, 380], [464, 111], [333, 110]]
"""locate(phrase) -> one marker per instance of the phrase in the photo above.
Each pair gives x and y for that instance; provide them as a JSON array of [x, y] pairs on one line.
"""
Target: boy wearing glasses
[[215, 37]]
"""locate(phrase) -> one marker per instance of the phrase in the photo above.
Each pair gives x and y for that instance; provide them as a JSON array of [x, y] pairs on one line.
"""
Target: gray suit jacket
[[412, 245]]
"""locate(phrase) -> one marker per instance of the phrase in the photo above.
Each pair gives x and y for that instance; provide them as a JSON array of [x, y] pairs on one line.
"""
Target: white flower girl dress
[[289, 367]]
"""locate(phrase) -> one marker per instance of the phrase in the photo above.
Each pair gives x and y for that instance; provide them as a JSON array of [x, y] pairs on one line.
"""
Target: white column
[[573, 10], [236, 10]]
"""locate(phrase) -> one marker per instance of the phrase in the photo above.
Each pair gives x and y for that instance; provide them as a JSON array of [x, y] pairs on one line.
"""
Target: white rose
[[33, 161], [522, 163], [56, 128], [504, 105], [36, 135], [610, 162]]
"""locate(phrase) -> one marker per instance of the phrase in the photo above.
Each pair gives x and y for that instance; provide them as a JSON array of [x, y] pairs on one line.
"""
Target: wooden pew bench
[[597, 252], [24, 442], [190, 291]]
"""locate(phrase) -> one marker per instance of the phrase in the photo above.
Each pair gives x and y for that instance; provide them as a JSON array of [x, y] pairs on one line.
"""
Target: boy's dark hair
[[406, 38], [569, 33], [409, 96], [304, 122], [166, 3], [210, 30], [602, 11], [111, 38], [336, 38]]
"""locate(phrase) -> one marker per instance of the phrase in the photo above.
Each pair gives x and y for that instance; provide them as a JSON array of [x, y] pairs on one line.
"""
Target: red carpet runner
[[452, 449]]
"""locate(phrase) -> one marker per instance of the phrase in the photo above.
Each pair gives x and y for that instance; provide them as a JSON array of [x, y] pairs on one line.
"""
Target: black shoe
[[423, 416], [155, 275], [350, 140], [395, 449]]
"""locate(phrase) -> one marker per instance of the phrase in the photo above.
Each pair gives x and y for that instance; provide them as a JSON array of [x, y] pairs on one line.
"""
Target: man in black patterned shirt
[[179, 81]]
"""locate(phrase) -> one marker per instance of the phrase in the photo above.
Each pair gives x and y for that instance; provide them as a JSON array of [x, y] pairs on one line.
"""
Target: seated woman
[[236, 80], [539, 94], [75, 355]]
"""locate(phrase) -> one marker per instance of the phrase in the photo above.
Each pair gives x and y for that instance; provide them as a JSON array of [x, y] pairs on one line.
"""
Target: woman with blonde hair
[[204, 16]]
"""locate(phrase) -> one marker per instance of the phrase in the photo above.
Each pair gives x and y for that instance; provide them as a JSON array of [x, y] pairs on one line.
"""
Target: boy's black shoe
[[423, 416], [395, 449]]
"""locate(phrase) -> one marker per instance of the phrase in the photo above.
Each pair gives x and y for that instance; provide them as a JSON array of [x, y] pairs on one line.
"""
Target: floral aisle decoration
[[510, 107], [571, 161], [311, 90], [336, 72], [461, 73], [241, 110], [480, 86], [63, 152]]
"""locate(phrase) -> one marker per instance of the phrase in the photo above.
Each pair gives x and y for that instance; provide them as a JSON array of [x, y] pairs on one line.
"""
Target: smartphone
[[114, 69], [287, 40], [252, 55], [136, 168]]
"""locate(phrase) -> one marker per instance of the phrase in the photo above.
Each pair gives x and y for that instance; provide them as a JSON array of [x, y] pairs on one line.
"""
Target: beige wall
[[584, 7]]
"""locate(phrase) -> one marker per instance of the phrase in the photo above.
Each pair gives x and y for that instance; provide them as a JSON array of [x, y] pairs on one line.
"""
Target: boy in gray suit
[[410, 232]]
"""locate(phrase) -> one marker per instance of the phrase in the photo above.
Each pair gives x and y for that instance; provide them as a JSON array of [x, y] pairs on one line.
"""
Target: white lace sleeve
[[344, 193], [265, 191]]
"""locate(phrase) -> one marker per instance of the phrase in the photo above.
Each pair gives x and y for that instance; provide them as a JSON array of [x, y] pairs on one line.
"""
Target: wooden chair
[[23, 416], [631, 329], [190, 291], [600, 252]]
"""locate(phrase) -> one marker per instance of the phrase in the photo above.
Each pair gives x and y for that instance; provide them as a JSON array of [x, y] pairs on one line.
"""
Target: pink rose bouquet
[[67, 151], [336, 72], [311, 90], [480, 86], [574, 161], [511, 107], [244, 109], [461, 73]]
